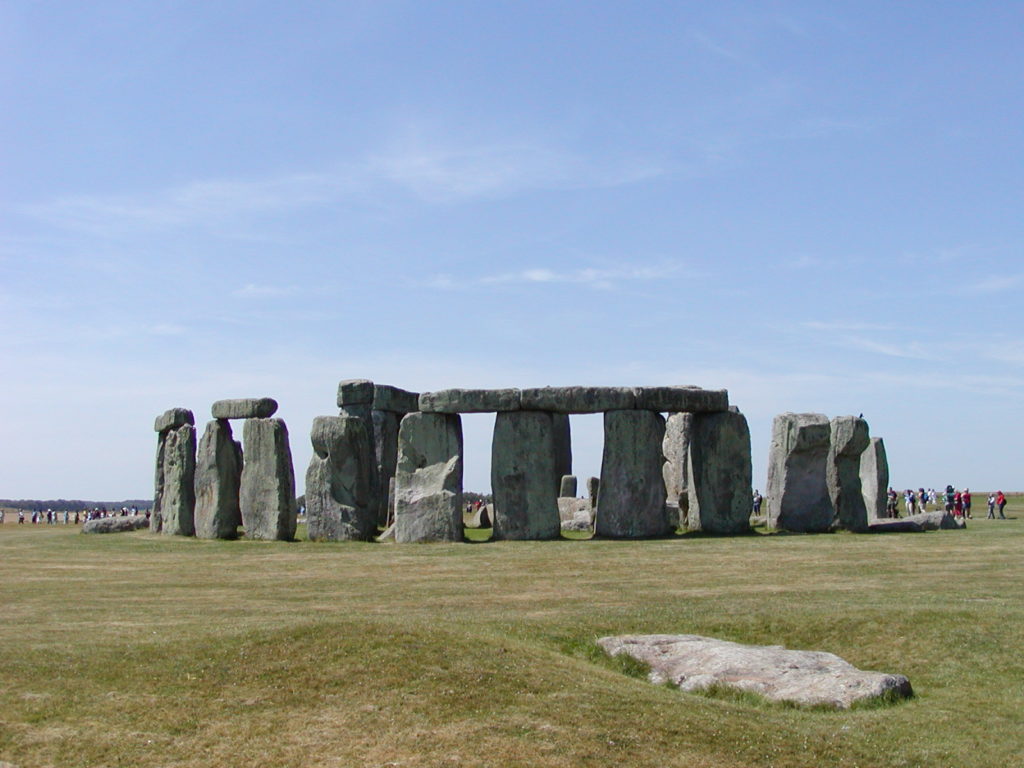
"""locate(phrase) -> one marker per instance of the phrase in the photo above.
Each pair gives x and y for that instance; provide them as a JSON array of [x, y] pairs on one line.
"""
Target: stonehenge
[[674, 457]]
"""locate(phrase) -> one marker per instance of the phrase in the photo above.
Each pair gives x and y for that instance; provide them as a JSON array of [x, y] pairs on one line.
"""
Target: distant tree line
[[59, 505], [468, 497]]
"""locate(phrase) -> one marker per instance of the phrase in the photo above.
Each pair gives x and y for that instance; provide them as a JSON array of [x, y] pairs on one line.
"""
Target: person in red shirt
[[1001, 502], [958, 504], [965, 497]]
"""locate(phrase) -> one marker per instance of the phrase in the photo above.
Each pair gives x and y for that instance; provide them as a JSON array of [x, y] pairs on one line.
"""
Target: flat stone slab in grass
[[925, 521], [244, 408], [808, 678], [116, 524]]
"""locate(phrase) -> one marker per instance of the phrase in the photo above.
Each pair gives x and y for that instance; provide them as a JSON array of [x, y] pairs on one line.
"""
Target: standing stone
[[874, 479], [267, 493], [338, 500], [797, 495], [428, 478], [178, 499], [676, 449], [567, 488], [523, 462], [218, 478], [169, 420], [363, 412], [385, 444], [593, 486], [720, 473], [842, 472], [632, 486], [563, 447]]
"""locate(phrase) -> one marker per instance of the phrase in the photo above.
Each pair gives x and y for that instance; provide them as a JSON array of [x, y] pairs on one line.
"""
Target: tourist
[[958, 504], [965, 497], [1001, 503], [922, 494], [910, 499], [757, 502], [1, 517], [21, 516], [949, 498], [991, 507], [892, 504]]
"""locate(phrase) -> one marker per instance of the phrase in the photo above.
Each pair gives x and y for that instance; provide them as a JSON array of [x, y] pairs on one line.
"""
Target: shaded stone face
[[719, 490], [676, 447], [563, 446], [874, 478], [339, 505], [632, 501], [385, 445], [395, 400], [173, 418], [177, 500], [267, 492], [842, 472], [679, 399], [469, 401], [523, 461], [355, 392], [218, 478], [155, 518], [245, 408], [428, 478], [567, 488], [797, 497], [593, 486], [578, 399]]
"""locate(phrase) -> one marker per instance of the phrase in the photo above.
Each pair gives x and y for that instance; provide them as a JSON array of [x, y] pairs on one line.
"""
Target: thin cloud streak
[[594, 278]]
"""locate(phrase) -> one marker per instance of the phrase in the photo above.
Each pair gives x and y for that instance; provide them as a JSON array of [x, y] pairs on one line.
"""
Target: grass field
[[141, 650]]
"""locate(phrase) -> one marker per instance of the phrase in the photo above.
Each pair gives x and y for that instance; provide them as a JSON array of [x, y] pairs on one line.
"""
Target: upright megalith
[[874, 478], [174, 498], [218, 478], [355, 400], [593, 487], [567, 487], [428, 478], [339, 505], [797, 493], [719, 491], [390, 404], [523, 461], [842, 472], [632, 503], [676, 470], [563, 447], [267, 491]]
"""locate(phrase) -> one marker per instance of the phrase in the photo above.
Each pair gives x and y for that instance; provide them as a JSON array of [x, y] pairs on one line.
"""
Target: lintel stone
[[469, 401], [394, 400], [172, 419], [355, 392], [675, 399], [245, 408], [579, 399]]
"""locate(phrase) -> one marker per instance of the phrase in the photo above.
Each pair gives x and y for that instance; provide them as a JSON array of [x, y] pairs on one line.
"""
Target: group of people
[[956, 502], [54, 517]]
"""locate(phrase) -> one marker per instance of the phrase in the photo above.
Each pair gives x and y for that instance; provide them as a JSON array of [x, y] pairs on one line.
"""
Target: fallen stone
[[395, 400], [355, 392], [679, 398], [245, 408], [874, 479], [267, 490], [719, 495], [570, 507], [523, 464], [469, 401], [428, 478], [218, 478], [338, 498], [567, 487], [797, 498], [632, 503], [481, 518], [578, 525], [842, 472], [116, 524], [177, 503], [579, 399], [173, 418], [806, 678], [925, 521]]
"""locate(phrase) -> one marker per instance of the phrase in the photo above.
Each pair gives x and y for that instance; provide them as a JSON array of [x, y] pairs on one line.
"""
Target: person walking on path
[[991, 507], [966, 497], [949, 498], [1001, 503]]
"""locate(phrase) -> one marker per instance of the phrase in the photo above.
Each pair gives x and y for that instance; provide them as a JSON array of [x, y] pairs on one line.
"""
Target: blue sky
[[816, 206]]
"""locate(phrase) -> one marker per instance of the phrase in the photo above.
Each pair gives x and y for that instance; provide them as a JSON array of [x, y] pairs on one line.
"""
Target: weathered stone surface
[[874, 478], [218, 477], [385, 448], [428, 478], [355, 392], [395, 400], [177, 499], [578, 399], [842, 472], [676, 449], [797, 497], [680, 398], [593, 487], [632, 503], [469, 401], [936, 520], [267, 491], [173, 418], [245, 408], [481, 518], [570, 508], [581, 523], [364, 412], [523, 464], [338, 498], [719, 492], [155, 519], [563, 447], [567, 487], [808, 678], [116, 524]]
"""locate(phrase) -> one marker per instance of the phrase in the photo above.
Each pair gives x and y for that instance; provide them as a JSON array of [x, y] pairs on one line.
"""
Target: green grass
[[142, 650]]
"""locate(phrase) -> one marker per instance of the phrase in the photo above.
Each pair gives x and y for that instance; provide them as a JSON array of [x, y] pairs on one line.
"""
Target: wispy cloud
[[820, 325], [595, 278], [993, 284]]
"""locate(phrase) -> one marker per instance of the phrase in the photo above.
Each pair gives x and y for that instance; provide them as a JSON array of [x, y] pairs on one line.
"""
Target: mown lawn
[[141, 650]]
